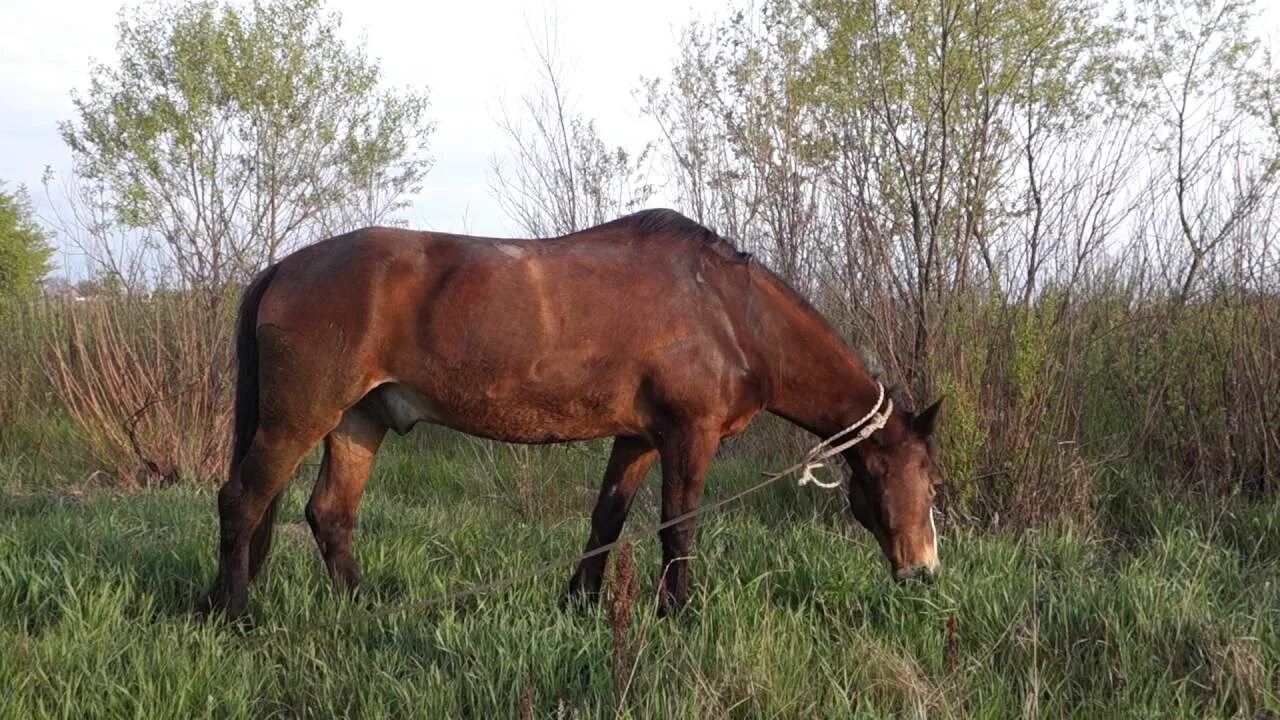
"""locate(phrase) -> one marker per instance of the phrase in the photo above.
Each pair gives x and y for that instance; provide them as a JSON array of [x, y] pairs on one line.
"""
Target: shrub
[[147, 382]]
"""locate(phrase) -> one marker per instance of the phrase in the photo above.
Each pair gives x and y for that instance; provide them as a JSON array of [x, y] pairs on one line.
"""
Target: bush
[[147, 382]]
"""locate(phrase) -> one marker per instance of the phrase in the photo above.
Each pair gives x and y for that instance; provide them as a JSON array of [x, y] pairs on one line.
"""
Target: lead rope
[[814, 459]]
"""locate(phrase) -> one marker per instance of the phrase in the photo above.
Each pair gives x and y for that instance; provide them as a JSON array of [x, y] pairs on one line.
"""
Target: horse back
[[588, 335]]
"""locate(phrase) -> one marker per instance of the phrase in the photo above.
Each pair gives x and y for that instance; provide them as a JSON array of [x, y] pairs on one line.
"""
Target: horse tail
[[245, 424]]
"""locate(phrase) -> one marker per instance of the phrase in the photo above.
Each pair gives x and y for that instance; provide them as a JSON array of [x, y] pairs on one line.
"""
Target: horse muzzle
[[922, 572]]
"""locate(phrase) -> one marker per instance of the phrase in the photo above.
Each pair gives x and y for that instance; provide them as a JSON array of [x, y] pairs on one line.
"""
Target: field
[[1061, 218], [1151, 607]]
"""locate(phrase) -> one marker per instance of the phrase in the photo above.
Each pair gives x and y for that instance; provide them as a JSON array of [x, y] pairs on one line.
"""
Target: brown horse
[[650, 329]]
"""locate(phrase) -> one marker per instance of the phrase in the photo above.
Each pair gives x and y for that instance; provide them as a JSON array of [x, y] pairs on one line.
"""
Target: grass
[[1161, 610]]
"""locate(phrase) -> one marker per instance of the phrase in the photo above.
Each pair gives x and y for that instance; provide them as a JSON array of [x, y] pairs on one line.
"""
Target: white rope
[[875, 419]]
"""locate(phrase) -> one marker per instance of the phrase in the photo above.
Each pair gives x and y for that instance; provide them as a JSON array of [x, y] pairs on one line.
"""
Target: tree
[[899, 149], [564, 177], [225, 134], [1213, 131], [24, 248], [738, 134]]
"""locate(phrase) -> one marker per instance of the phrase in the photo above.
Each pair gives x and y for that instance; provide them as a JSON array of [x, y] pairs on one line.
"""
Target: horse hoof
[[217, 606]]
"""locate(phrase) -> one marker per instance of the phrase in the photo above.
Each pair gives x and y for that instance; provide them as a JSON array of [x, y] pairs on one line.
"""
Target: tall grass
[[1041, 398], [1168, 613], [27, 391], [144, 381]]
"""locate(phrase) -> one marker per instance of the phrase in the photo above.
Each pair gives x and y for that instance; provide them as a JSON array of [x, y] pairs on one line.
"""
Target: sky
[[471, 56]]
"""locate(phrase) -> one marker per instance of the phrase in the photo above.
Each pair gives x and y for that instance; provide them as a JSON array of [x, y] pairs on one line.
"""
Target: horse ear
[[923, 421]]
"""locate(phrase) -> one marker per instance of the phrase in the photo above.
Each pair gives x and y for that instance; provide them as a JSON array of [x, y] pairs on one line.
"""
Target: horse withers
[[650, 329]]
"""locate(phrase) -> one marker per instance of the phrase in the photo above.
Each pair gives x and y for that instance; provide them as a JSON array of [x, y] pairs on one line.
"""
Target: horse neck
[[816, 381]]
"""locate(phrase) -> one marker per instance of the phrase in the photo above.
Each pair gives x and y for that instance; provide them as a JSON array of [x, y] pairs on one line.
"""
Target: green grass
[[1168, 611]]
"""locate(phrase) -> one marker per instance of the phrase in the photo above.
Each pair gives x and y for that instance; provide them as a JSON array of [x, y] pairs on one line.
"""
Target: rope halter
[[875, 419]]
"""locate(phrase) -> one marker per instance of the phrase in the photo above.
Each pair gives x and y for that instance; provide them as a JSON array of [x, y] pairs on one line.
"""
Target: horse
[[650, 329]]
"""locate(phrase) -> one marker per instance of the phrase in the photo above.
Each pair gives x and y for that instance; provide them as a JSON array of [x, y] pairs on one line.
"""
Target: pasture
[[1150, 607], [1061, 217]]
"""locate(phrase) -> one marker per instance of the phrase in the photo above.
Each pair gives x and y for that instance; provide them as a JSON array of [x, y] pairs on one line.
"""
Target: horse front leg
[[686, 455], [629, 462]]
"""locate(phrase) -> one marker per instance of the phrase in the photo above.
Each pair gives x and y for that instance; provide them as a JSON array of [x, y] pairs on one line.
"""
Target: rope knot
[[875, 419], [808, 478]]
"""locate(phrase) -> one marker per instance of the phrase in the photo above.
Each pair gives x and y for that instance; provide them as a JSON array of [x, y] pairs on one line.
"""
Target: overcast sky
[[470, 55]]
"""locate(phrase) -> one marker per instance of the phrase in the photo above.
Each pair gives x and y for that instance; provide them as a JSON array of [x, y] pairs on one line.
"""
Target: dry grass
[[147, 384]]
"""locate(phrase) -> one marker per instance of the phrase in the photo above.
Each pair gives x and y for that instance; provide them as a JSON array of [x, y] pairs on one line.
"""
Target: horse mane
[[669, 222]]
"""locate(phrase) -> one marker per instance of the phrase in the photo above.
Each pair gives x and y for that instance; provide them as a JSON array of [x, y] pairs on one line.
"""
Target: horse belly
[[519, 412]]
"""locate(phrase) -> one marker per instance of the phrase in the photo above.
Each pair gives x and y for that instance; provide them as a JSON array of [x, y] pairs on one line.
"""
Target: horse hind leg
[[348, 459], [299, 395], [246, 503]]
